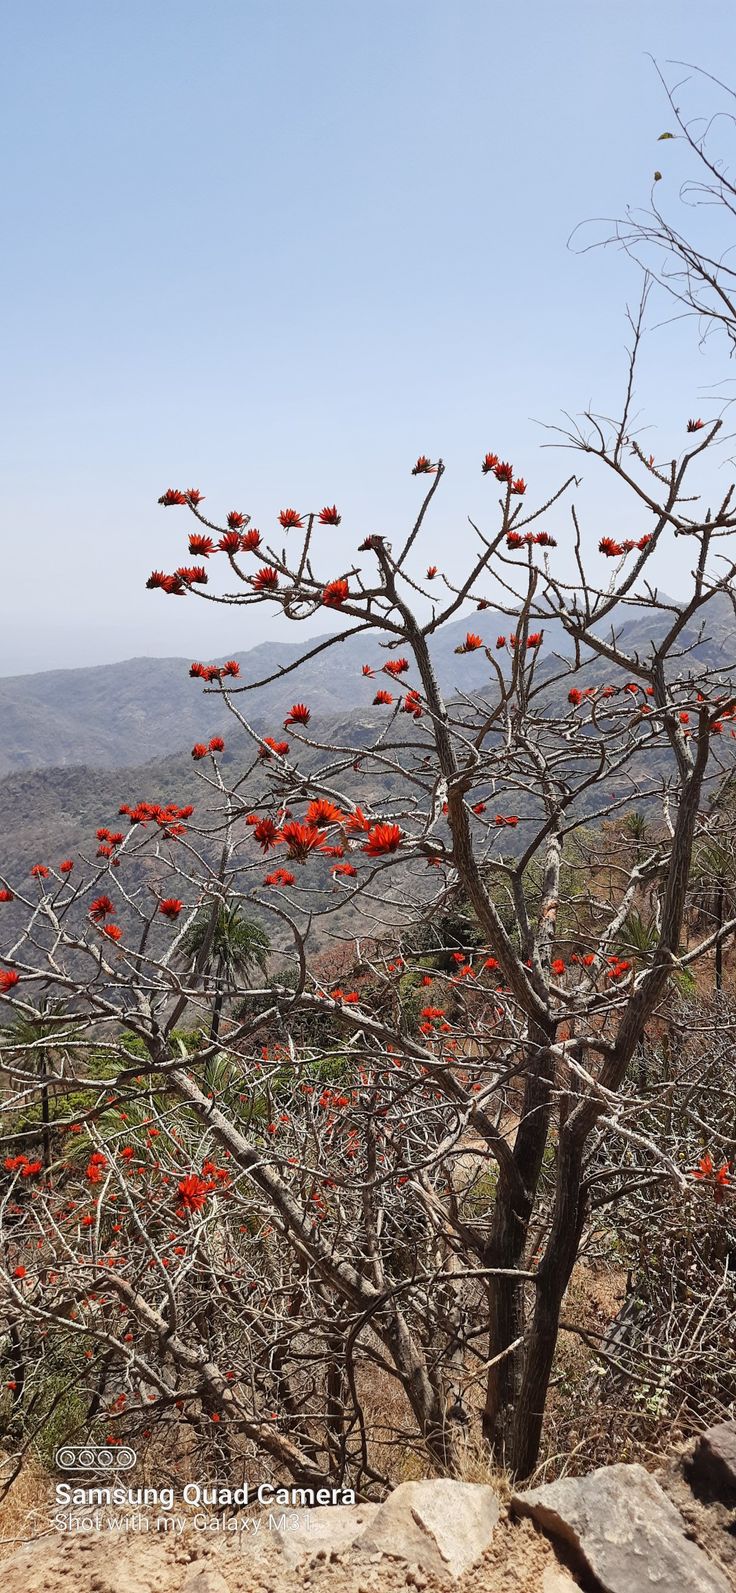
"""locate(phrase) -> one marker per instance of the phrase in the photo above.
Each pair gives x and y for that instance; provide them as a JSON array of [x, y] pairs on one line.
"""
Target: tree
[[418, 1216], [226, 946]]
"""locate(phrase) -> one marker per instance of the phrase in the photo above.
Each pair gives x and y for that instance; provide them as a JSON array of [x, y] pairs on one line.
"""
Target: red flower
[[193, 495], [330, 516], [544, 540], [412, 704], [423, 467], [695, 425], [358, 823], [217, 744], [345, 868], [382, 699], [193, 1192], [574, 696], [500, 641], [39, 871], [471, 643], [514, 541], [172, 497], [612, 550], [231, 668], [644, 542], [230, 542], [19, 1272], [192, 574], [157, 579], [280, 876], [490, 463], [504, 472], [250, 541], [302, 839], [8, 978], [298, 715], [396, 666], [112, 931], [170, 907], [534, 639], [383, 838], [291, 519], [335, 593], [431, 571], [266, 833], [236, 520], [6, 896], [322, 811], [265, 580], [518, 487], [199, 751], [201, 546], [100, 908], [368, 671], [557, 966]]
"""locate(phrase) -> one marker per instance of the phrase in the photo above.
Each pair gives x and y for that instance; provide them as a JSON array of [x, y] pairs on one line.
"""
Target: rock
[[438, 1525], [324, 1529], [713, 1465], [624, 1530], [204, 1579], [555, 1580]]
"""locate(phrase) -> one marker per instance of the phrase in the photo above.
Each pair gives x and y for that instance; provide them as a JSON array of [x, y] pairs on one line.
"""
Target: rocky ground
[[618, 1530]]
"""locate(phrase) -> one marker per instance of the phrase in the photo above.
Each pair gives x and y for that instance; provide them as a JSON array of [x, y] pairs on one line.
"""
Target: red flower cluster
[[382, 699], [302, 840], [193, 1193], [423, 467], [298, 714], [720, 1177], [280, 876], [170, 907], [21, 1164], [330, 516], [8, 979], [167, 817], [616, 550], [171, 497], [383, 838], [471, 643], [291, 520], [265, 580], [269, 745], [335, 594]]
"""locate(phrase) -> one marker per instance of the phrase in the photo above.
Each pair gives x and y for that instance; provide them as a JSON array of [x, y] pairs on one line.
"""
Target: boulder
[[437, 1525], [713, 1465], [323, 1529], [624, 1531]]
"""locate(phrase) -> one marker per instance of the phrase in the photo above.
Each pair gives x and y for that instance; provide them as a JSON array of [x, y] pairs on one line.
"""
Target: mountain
[[120, 715]]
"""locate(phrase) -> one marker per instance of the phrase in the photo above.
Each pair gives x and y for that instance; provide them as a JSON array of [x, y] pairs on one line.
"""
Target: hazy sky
[[274, 250]]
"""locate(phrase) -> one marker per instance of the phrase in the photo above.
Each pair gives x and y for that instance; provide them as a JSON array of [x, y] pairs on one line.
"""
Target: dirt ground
[[121, 1562]]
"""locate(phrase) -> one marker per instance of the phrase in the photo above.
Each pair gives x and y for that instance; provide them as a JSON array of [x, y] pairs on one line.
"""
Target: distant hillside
[[121, 716]]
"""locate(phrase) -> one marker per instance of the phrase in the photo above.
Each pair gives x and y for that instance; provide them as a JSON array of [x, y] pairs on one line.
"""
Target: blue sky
[[275, 250]]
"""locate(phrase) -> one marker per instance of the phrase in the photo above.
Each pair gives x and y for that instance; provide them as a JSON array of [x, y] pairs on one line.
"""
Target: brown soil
[[119, 1562]]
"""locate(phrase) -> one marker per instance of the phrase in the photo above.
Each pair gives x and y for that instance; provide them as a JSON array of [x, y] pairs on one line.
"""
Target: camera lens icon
[[92, 1457]]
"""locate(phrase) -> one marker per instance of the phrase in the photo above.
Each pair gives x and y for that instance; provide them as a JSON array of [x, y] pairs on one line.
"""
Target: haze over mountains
[[126, 714], [75, 743]]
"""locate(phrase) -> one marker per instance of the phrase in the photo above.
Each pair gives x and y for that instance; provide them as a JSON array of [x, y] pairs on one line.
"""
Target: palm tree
[[714, 892], [35, 1037], [227, 951]]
